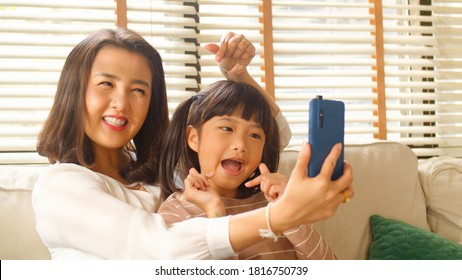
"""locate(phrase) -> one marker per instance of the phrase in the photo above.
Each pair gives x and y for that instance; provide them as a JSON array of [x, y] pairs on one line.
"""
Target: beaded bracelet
[[268, 233]]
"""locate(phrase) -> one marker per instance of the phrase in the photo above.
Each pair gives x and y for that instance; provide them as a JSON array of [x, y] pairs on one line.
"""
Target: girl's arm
[[233, 55], [198, 191], [309, 243]]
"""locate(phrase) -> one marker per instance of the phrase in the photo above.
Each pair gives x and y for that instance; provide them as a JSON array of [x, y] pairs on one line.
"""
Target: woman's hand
[[233, 55], [307, 200], [198, 191], [271, 184]]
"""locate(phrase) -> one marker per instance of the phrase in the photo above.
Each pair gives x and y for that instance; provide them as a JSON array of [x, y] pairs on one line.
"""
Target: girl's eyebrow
[[111, 76], [253, 124]]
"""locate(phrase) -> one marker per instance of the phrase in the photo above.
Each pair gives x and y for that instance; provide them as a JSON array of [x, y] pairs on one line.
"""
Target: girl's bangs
[[249, 104]]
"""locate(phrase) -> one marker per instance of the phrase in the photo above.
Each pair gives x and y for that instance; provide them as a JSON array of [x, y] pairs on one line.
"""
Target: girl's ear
[[192, 137]]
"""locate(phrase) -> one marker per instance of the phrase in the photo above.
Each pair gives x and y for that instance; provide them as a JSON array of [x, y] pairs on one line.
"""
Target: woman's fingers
[[301, 164], [328, 166]]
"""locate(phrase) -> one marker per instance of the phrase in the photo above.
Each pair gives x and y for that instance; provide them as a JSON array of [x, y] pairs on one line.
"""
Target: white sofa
[[388, 181]]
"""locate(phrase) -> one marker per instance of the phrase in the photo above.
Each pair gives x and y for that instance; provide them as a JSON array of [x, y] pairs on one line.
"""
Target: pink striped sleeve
[[309, 243]]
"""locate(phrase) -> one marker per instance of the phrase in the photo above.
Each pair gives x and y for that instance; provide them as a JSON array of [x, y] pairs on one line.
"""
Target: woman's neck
[[110, 162]]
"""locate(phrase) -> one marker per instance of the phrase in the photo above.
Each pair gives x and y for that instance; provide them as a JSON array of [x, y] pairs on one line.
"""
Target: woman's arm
[[78, 210], [304, 201]]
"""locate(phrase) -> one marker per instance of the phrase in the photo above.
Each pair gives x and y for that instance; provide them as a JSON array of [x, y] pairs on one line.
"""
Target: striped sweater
[[304, 242]]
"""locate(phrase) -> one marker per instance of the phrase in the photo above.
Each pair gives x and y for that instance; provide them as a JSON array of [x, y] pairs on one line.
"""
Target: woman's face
[[229, 146], [117, 97]]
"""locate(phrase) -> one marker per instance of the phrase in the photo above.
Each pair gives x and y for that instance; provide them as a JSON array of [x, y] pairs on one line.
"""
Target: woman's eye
[[109, 84], [139, 90]]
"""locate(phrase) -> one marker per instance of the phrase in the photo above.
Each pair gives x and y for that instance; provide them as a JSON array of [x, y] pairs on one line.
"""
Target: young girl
[[103, 136], [228, 142]]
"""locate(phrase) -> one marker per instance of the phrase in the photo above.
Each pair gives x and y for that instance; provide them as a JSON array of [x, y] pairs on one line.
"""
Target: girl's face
[[117, 97], [229, 146]]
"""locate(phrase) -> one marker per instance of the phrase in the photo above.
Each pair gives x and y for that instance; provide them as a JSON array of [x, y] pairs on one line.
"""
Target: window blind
[[170, 27], [447, 23], [395, 63], [35, 38], [410, 47], [325, 48], [357, 51], [216, 18]]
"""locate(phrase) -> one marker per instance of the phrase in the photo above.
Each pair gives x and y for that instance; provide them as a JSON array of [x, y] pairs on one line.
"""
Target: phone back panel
[[326, 128]]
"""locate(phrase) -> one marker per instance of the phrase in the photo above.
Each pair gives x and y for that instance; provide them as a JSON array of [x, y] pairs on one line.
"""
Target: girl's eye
[[225, 128], [255, 135]]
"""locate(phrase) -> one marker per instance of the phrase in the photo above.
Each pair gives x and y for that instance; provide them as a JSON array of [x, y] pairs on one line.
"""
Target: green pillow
[[396, 240]]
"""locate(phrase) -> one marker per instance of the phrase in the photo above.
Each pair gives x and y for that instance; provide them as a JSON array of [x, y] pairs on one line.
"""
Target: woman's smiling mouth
[[115, 123]]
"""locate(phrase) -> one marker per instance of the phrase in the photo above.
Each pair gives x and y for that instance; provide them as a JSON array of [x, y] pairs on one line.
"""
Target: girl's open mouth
[[232, 167]]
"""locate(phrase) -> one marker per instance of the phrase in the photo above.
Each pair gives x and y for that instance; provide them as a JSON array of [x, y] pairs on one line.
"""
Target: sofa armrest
[[441, 179]]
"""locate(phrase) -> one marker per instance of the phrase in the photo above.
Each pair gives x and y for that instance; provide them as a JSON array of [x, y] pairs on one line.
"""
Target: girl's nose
[[239, 145]]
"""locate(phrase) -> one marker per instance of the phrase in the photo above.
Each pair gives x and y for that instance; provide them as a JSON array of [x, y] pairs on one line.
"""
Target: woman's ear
[[192, 137]]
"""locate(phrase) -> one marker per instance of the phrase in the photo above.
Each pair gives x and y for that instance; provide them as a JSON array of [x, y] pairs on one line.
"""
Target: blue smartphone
[[326, 128]]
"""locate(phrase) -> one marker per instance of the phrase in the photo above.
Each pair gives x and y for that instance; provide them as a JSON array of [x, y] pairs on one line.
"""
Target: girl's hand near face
[[271, 184], [198, 191]]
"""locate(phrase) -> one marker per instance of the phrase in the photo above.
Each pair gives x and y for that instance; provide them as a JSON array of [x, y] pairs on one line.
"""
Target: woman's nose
[[120, 100]]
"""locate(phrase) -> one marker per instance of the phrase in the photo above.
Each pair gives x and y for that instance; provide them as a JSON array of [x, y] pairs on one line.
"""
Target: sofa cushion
[[441, 179], [396, 240], [385, 182], [19, 238]]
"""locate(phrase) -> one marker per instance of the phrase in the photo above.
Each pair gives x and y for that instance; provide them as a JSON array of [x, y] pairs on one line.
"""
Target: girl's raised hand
[[233, 54], [198, 191], [271, 184]]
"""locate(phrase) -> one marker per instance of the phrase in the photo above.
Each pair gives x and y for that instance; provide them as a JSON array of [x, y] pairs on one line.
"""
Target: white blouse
[[81, 214]]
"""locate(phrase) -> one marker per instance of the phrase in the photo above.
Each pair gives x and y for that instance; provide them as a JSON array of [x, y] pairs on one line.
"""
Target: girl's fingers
[[275, 191], [213, 48], [254, 182], [223, 49], [263, 169], [198, 180]]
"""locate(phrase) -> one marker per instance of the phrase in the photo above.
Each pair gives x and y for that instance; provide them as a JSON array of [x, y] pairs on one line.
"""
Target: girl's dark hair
[[63, 137], [219, 99]]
